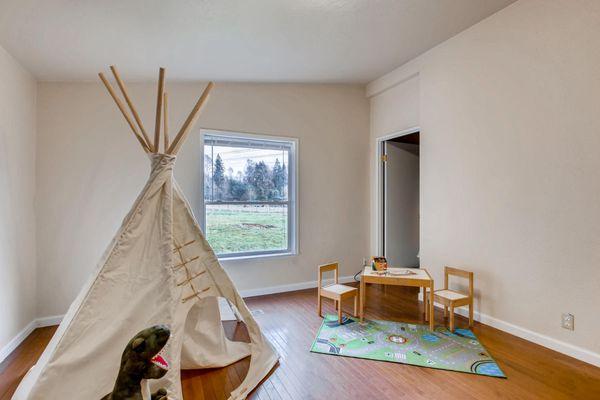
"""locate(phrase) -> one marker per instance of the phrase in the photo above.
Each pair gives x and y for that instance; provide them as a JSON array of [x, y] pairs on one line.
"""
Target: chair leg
[[431, 309], [340, 311], [471, 314], [451, 317], [335, 303], [426, 303], [356, 305], [320, 307], [445, 311]]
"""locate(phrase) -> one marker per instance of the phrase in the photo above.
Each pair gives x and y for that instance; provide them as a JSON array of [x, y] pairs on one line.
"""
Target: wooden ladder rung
[[176, 267], [183, 245], [195, 294], [190, 278]]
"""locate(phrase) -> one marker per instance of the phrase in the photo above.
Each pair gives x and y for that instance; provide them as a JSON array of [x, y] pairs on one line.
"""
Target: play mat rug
[[406, 344]]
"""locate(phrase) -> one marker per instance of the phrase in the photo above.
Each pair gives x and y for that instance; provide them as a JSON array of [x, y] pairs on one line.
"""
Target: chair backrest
[[326, 268], [458, 272]]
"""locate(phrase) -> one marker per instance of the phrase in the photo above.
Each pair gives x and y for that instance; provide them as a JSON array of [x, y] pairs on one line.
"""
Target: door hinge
[[384, 158]]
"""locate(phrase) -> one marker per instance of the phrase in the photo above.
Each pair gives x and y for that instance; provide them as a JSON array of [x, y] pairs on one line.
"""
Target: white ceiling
[[230, 40]]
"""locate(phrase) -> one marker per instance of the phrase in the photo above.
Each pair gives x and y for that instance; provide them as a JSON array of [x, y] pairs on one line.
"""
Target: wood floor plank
[[290, 322]]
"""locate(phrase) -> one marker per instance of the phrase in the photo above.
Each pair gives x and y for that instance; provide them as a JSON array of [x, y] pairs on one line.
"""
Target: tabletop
[[395, 273]]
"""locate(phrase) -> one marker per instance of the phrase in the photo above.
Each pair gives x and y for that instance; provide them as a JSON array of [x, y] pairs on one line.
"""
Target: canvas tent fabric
[[159, 269]]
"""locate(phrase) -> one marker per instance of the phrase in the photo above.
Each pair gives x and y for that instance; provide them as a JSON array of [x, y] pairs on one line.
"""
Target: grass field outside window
[[234, 229]]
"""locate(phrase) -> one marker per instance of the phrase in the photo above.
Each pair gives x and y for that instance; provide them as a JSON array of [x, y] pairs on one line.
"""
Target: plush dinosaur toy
[[142, 359]]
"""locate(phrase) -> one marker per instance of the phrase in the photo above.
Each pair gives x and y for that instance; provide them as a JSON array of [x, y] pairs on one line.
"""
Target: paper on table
[[400, 271]]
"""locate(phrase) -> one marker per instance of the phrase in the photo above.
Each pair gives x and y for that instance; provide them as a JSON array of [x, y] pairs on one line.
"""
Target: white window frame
[[291, 202]]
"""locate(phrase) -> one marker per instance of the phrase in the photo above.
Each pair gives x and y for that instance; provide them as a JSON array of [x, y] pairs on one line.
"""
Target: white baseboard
[[226, 312], [546, 341], [49, 321], [17, 340], [21, 336], [568, 349], [291, 287]]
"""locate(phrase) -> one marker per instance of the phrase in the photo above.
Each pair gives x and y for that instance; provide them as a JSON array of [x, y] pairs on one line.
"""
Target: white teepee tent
[[159, 269]]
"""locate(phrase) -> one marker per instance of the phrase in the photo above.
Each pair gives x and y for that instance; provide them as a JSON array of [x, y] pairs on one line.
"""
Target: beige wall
[[17, 188], [90, 169], [510, 145], [393, 110]]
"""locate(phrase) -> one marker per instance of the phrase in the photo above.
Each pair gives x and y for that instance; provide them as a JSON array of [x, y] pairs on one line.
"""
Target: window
[[249, 194]]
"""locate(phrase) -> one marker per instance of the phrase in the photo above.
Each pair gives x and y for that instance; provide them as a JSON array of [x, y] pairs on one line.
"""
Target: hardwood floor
[[290, 321], [15, 366]]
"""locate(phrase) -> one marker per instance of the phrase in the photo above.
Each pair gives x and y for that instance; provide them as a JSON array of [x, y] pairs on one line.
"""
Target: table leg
[[425, 303], [431, 314], [363, 295]]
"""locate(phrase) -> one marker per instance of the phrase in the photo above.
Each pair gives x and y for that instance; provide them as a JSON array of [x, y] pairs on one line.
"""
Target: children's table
[[419, 277]]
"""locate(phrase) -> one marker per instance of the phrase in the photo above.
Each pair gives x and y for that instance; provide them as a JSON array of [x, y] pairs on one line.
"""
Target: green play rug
[[406, 344]]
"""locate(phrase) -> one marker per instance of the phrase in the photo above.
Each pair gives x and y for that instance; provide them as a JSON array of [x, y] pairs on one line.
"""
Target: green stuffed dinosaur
[[142, 360]]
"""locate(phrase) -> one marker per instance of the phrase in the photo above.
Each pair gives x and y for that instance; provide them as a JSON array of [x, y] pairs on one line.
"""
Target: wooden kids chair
[[335, 292], [451, 298]]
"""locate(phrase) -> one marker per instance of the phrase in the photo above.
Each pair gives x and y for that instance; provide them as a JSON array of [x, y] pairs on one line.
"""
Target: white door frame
[[379, 225]]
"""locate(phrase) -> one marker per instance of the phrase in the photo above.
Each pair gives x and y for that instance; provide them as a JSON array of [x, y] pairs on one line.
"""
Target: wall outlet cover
[[568, 321]]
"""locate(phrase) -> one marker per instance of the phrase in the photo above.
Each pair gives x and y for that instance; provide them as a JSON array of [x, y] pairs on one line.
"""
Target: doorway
[[399, 198]]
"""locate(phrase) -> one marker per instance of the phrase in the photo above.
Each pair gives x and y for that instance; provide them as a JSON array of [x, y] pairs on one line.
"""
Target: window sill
[[255, 256]]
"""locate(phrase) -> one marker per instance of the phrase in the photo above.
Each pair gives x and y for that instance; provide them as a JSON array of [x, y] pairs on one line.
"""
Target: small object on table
[[400, 272], [379, 264]]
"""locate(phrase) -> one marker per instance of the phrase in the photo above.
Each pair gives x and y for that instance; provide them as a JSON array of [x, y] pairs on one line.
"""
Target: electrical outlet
[[568, 321]]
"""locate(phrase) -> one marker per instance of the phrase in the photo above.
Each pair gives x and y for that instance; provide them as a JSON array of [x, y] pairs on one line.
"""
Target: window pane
[[245, 174], [247, 187], [246, 228]]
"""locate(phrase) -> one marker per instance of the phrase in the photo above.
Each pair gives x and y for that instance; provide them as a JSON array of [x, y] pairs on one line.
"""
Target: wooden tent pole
[[166, 121], [189, 122], [159, 108], [119, 103], [131, 106]]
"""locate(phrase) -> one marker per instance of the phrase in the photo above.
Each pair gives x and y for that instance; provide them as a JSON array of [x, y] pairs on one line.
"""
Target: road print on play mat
[[406, 344]]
